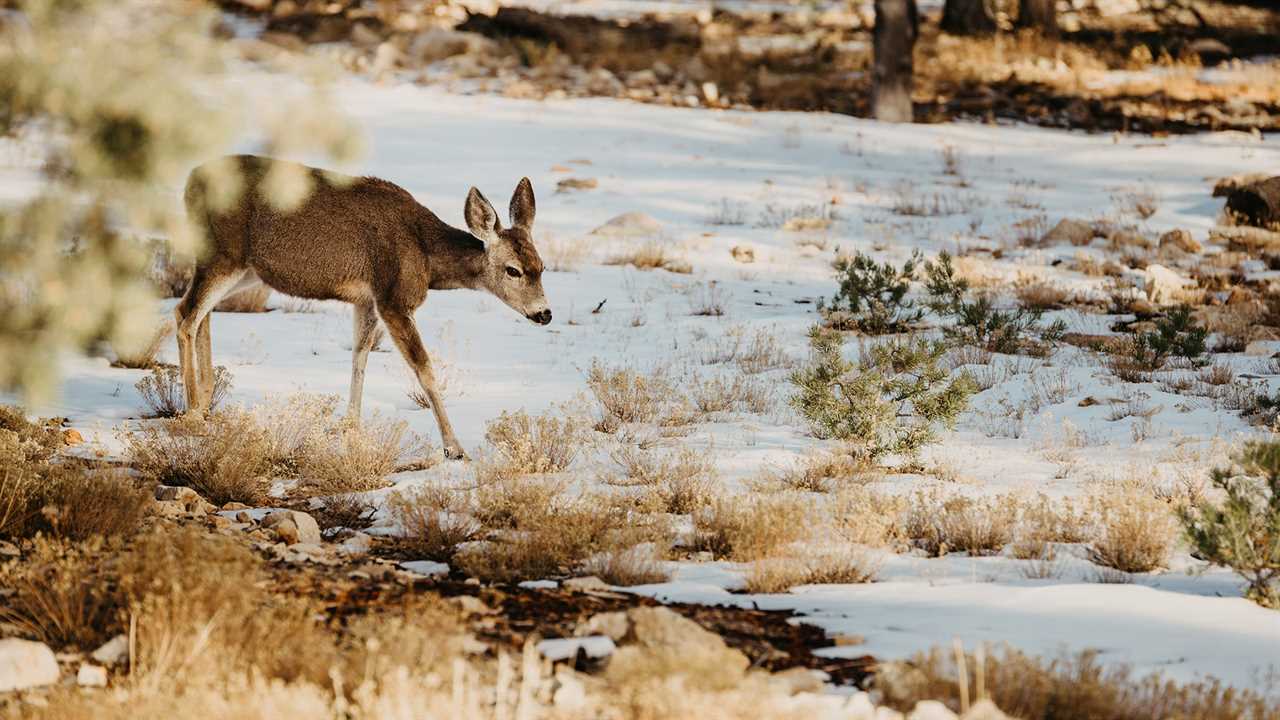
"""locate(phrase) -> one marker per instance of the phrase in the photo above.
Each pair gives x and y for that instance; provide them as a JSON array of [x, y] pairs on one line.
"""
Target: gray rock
[[298, 527], [113, 651], [91, 675]]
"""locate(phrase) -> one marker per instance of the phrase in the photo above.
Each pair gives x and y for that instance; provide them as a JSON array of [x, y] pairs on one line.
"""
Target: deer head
[[513, 270]]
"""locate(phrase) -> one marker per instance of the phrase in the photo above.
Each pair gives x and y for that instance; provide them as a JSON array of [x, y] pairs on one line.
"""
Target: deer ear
[[482, 219], [522, 205]]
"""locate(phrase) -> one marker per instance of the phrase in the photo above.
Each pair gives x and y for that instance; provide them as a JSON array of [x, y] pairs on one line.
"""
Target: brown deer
[[364, 241]]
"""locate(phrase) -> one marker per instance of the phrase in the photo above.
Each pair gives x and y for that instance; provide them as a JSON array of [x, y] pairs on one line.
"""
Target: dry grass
[[752, 527], [537, 444], [676, 482], [58, 596], [164, 396], [706, 299], [977, 526], [564, 254], [1039, 294], [812, 566], [434, 521], [627, 396], [863, 516], [1046, 522], [720, 394], [357, 458], [637, 565], [1136, 530], [226, 458], [143, 357], [652, 255], [249, 301], [821, 473], [1078, 686]]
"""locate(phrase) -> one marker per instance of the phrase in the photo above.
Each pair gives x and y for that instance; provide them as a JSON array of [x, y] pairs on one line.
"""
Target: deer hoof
[[454, 452]]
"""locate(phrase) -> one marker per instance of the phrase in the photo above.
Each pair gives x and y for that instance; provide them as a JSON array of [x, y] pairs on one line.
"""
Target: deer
[[360, 240]]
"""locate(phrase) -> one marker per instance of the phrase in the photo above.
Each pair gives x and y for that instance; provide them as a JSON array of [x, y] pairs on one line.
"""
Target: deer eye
[[513, 272]]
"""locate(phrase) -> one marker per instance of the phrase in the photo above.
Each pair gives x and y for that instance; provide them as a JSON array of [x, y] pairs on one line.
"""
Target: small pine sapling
[[979, 322], [872, 297], [1242, 530], [891, 400], [1175, 335]]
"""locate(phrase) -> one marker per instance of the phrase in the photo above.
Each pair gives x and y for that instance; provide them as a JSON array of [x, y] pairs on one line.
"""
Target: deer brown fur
[[364, 241]]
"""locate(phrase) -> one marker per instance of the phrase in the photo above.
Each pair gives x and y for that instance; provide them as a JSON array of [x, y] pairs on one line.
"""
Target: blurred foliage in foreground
[[105, 105]]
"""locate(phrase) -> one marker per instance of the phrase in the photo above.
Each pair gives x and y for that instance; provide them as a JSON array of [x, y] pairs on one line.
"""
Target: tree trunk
[[1040, 15], [967, 17], [893, 40]]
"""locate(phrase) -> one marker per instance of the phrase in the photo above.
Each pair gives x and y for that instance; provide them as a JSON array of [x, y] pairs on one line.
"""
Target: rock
[[235, 506], [471, 605], [169, 509], [438, 43], [287, 531], [1070, 231], [585, 584], [628, 225], [356, 544], [662, 638], [1257, 204], [613, 625], [184, 495], [8, 549], [800, 679], [364, 36], [570, 692], [91, 675], [113, 651], [26, 664], [1223, 187], [1111, 8], [244, 517], [71, 436], [1262, 348], [1182, 240], [930, 710], [386, 58], [1211, 50], [743, 254], [571, 184], [304, 527], [1162, 284]]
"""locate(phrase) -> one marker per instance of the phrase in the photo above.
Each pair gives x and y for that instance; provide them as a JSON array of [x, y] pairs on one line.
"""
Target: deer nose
[[542, 318]]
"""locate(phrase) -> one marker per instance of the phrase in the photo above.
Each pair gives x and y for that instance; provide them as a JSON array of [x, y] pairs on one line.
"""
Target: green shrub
[[1242, 531], [890, 401], [872, 298], [978, 322], [1175, 335]]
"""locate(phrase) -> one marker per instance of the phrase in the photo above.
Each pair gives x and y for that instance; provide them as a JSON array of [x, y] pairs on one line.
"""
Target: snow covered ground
[[688, 167]]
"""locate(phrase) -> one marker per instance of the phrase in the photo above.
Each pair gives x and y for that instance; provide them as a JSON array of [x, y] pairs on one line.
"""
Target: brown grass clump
[[1039, 294], [812, 566], [226, 458], [143, 357], [746, 528], [977, 526], [822, 473], [163, 394], [1044, 523], [249, 301], [676, 482], [865, 517], [536, 444], [1136, 530], [564, 254], [1027, 687], [434, 521], [637, 565], [58, 595], [357, 458], [651, 255], [627, 396]]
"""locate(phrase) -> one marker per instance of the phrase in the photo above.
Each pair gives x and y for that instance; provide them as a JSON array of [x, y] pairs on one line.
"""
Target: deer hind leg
[[204, 369], [405, 333], [208, 286], [365, 332]]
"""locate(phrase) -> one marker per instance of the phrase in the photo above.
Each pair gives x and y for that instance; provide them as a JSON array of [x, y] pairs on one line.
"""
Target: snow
[[593, 646], [429, 568], [677, 166]]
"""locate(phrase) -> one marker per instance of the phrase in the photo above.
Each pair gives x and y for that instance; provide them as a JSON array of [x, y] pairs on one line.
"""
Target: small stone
[[235, 506], [287, 531], [8, 549], [584, 584], [170, 509], [471, 605], [845, 640], [244, 517], [220, 522], [357, 544], [304, 530], [632, 224], [1182, 240], [91, 675], [26, 664], [800, 679], [572, 184], [1069, 231], [184, 495], [570, 693], [613, 625], [113, 651], [743, 254], [1162, 284], [1262, 348], [71, 436]]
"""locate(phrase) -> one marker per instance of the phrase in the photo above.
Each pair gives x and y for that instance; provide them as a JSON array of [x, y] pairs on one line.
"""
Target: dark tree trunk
[[967, 17], [1040, 15], [1256, 204], [893, 40]]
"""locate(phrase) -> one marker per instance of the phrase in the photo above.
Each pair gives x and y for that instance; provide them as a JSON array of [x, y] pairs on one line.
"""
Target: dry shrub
[[757, 352], [226, 458], [720, 394], [1078, 686], [344, 511], [143, 357], [536, 444], [164, 397], [651, 255], [627, 396], [1039, 294], [677, 482], [248, 301], [1044, 523], [863, 516], [812, 566], [58, 594], [433, 521], [1136, 530], [638, 565], [564, 254], [822, 473], [499, 501], [977, 526], [747, 527], [357, 458]]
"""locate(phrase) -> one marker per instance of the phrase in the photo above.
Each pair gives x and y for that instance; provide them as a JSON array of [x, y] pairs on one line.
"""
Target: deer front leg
[[405, 333], [363, 335]]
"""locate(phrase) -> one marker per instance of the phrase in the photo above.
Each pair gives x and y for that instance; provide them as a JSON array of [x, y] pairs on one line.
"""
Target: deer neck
[[458, 263]]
